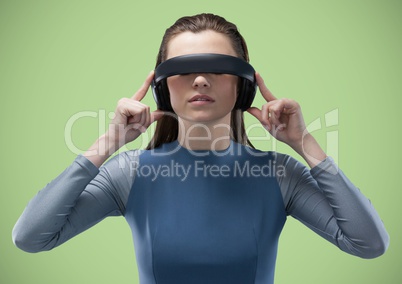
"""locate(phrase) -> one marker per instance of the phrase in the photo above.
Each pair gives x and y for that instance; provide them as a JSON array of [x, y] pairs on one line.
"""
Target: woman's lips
[[201, 100]]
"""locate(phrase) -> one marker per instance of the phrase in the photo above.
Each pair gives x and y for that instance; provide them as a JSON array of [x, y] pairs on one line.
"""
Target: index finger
[[266, 93], [142, 91]]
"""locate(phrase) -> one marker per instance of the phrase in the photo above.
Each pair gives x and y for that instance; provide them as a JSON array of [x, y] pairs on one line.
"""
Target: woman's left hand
[[281, 117]]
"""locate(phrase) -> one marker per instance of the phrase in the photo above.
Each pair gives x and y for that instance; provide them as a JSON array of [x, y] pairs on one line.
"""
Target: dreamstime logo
[[255, 132]]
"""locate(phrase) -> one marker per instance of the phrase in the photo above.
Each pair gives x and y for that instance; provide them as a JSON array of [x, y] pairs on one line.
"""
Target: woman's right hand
[[131, 117]]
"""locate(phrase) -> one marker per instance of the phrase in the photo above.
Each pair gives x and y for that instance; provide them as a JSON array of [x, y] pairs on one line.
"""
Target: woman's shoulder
[[284, 161], [122, 164]]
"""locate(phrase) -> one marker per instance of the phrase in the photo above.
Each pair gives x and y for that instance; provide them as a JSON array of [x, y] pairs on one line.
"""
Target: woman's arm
[[325, 200], [131, 119], [84, 194], [81, 196]]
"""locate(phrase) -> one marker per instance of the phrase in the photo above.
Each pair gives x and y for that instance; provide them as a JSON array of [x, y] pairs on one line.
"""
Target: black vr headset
[[205, 63]]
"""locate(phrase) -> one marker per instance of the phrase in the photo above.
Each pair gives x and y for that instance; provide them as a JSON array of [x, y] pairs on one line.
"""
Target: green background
[[60, 58]]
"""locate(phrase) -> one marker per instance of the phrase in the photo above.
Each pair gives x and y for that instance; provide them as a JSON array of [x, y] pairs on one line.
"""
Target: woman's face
[[202, 97]]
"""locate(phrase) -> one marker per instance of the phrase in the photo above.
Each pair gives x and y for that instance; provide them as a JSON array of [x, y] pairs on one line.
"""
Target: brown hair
[[167, 127]]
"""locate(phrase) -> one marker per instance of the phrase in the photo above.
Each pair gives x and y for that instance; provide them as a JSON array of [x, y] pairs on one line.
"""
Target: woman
[[200, 203]]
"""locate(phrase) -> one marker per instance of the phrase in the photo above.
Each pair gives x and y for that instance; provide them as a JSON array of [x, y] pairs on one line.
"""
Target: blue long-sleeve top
[[203, 216]]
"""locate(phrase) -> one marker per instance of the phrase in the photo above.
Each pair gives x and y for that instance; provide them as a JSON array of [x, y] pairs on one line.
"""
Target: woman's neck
[[204, 136]]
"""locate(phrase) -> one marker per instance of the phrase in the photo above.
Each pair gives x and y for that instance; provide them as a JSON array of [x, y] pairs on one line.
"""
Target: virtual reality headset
[[205, 63]]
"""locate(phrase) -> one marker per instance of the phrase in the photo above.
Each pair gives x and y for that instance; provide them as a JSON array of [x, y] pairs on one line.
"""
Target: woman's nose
[[200, 81]]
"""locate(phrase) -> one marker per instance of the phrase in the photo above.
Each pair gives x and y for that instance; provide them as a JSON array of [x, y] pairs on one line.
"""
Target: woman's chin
[[206, 118]]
